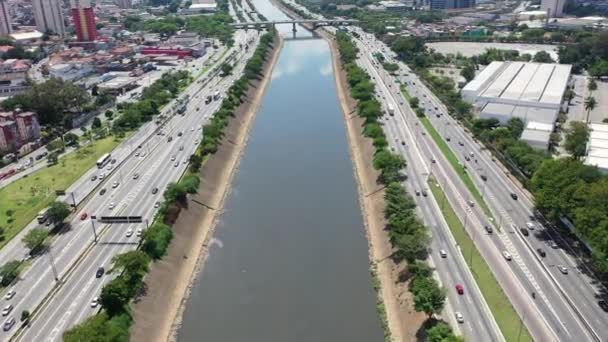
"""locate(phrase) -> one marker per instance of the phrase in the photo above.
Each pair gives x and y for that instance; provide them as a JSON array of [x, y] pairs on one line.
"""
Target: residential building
[[5, 19], [70, 71], [13, 73], [84, 20], [27, 126], [48, 16], [124, 3], [9, 138], [553, 8], [16, 129], [451, 4]]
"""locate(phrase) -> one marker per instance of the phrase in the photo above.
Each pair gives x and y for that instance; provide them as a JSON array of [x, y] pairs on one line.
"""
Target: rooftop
[[597, 147]]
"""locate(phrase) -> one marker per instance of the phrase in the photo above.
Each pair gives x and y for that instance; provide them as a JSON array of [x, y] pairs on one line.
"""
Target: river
[[289, 259]]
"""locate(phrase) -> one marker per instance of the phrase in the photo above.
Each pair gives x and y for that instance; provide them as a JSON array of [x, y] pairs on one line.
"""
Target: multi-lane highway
[[75, 256], [539, 280]]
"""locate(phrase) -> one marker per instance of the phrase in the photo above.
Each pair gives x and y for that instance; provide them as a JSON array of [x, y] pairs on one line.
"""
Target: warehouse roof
[[483, 77], [597, 147]]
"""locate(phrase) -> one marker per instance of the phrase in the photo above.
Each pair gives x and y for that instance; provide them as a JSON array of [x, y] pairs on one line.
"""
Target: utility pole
[[52, 260], [73, 200], [94, 231]]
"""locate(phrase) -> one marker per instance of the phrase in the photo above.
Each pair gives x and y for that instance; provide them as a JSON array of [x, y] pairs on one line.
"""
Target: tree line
[[407, 233], [113, 322]]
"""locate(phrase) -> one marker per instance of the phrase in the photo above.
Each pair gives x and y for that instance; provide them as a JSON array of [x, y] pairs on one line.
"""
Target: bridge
[[314, 22]]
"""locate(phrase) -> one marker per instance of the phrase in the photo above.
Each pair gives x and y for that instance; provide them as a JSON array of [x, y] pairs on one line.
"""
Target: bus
[[43, 216], [105, 159]]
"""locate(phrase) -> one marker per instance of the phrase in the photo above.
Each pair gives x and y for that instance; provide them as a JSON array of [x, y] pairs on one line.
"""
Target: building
[[597, 147], [17, 129], [13, 73], [84, 20], [185, 39], [159, 51], [124, 3], [5, 19], [532, 92], [70, 71], [553, 8], [451, 4], [48, 16]]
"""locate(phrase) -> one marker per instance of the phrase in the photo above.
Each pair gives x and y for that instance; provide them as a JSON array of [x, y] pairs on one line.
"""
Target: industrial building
[[532, 92], [597, 147]]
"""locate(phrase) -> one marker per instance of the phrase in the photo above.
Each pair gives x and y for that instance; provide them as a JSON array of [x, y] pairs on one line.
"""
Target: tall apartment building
[[124, 3], [17, 129], [49, 16], [451, 4], [554, 8], [13, 73], [5, 19], [84, 20]]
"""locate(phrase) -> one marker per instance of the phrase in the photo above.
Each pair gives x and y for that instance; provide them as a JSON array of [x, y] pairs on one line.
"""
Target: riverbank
[[403, 321], [157, 312]]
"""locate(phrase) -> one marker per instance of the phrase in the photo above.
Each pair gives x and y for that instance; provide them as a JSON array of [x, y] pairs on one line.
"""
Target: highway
[[76, 257], [559, 318]]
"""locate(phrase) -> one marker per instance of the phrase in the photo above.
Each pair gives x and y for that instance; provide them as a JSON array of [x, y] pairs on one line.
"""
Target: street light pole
[[94, 231], [52, 260]]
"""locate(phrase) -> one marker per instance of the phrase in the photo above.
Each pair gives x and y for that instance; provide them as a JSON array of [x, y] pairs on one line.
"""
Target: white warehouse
[[597, 147], [532, 92]]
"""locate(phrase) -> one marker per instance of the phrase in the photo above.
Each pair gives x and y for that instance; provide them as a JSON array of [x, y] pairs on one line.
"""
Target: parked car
[[154, 191]]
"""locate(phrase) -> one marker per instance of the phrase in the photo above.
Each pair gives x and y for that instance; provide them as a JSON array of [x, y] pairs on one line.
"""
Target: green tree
[[70, 139], [468, 72], [590, 104], [58, 211], [389, 164], [412, 246], [226, 69], [25, 316], [96, 123], [414, 102], [441, 332], [592, 85], [109, 114], [428, 296], [156, 240], [34, 239], [577, 137], [9, 272], [543, 57], [115, 296]]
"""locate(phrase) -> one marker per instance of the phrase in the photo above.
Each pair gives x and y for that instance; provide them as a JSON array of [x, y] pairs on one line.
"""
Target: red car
[[459, 289], [83, 216]]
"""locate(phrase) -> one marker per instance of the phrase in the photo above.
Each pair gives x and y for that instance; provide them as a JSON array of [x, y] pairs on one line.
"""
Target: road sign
[[120, 219]]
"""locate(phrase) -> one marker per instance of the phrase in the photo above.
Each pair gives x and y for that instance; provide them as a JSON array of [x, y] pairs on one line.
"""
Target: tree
[[25, 316], [592, 85], [58, 211], [70, 139], [156, 240], [114, 296], [52, 158], [9, 272], [96, 123], [133, 265], [109, 114], [441, 332], [34, 239], [226, 69], [577, 137], [590, 104], [414, 102], [468, 72], [389, 164], [428, 296], [543, 57], [412, 246]]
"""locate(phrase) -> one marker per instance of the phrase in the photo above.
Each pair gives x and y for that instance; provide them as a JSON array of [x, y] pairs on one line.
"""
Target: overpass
[[316, 23]]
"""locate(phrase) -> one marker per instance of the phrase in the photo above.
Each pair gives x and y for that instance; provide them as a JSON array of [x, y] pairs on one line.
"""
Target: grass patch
[[26, 197], [504, 313], [407, 95], [451, 157]]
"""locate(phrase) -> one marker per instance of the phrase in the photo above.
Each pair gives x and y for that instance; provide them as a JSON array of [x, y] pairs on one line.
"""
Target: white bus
[[101, 162], [391, 110]]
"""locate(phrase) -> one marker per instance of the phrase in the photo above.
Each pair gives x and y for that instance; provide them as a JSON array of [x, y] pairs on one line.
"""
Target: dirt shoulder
[[158, 311], [403, 321]]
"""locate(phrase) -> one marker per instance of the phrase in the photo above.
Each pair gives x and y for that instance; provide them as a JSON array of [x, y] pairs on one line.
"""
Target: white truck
[[391, 110]]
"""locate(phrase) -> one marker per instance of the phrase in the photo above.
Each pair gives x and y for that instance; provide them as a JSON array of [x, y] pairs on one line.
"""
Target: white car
[[506, 255], [115, 184], [140, 232], [176, 164], [7, 309], [135, 176], [563, 269], [10, 294], [157, 204], [459, 317], [101, 176], [94, 302], [443, 253], [111, 205], [172, 158], [530, 225], [129, 232]]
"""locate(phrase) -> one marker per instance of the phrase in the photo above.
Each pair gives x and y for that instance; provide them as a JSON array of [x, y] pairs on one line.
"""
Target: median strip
[[506, 317]]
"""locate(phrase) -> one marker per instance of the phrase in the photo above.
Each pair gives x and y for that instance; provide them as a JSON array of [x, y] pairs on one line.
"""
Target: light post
[[94, 231], [52, 261]]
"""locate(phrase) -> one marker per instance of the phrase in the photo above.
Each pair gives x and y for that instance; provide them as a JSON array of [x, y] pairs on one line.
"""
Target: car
[[83, 216], [154, 191], [135, 176], [417, 192], [110, 167], [115, 184], [459, 289], [93, 178], [553, 245], [471, 203], [94, 302], [169, 139], [48, 223], [423, 133], [507, 255], [603, 304], [102, 191], [460, 143], [111, 205], [448, 139], [7, 309], [129, 232], [181, 148], [488, 229], [562, 269], [157, 204], [524, 231], [198, 108], [100, 272], [137, 154], [541, 252], [424, 193], [459, 317], [514, 196], [113, 161], [402, 143], [140, 232], [8, 324], [443, 253], [173, 158], [530, 225], [484, 178], [102, 176], [10, 294], [467, 158], [179, 134], [433, 160], [176, 164]]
